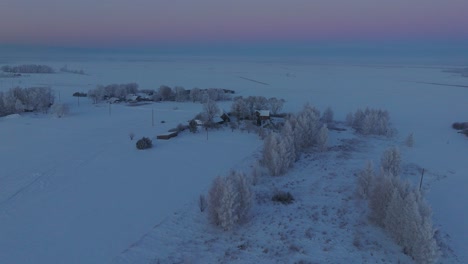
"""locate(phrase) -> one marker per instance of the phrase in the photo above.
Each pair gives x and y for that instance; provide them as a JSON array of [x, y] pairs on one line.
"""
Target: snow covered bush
[[59, 110], [370, 122], [391, 161], [283, 197], [365, 179], [229, 200], [131, 135], [144, 143]]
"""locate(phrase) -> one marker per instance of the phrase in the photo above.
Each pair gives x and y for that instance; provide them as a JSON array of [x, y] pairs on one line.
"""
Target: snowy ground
[[327, 222], [75, 190]]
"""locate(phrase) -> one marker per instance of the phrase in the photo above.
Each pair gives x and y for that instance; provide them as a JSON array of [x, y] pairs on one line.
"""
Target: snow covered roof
[[263, 112]]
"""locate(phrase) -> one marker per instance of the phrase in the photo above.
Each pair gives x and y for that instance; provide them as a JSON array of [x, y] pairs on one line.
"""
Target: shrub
[[229, 200], [409, 142], [59, 110], [460, 126], [144, 143], [370, 122], [391, 160], [365, 180], [80, 94], [283, 197], [193, 126], [131, 135]]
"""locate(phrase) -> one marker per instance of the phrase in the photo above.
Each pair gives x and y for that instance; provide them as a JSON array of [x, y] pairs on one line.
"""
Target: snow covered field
[[76, 190]]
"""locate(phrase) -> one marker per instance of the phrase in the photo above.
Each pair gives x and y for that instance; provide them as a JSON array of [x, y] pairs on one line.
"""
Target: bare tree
[[165, 92], [210, 110]]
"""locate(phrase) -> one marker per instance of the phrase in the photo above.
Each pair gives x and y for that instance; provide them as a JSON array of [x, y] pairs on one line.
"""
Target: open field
[[76, 190]]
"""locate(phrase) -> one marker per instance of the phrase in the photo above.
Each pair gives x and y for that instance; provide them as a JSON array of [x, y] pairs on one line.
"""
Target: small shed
[[263, 114], [167, 135]]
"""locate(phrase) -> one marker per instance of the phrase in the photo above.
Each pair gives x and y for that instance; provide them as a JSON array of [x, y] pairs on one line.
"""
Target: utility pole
[[109, 109], [152, 117], [422, 176]]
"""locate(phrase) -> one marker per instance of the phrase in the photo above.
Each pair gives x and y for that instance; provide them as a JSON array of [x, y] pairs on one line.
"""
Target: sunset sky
[[138, 23]]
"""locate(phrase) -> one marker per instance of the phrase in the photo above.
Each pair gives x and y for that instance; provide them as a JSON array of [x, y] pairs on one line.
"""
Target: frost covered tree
[[245, 194], [287, 134], [210, 110], [370, 122], [165, 92], [391, 161], [322, 138], [365, 179], [181, 95], [327, 116], [275, 154], [195, 95], [229, 200], [306, 128], [239, 108], [402, 212], [275, 105], [349, 119]]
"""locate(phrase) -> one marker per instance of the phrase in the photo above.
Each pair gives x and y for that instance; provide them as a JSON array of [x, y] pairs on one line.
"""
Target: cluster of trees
[[244, 108], [28, 68], [18, 100], [370, 122], [230, 199], [65, 69], [299, 133], [120, 91], [180, 94], [163, 93], [399, 208], [202, 95]]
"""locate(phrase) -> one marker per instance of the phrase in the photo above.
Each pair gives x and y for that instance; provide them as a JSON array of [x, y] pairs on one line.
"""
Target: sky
[[146, 23]]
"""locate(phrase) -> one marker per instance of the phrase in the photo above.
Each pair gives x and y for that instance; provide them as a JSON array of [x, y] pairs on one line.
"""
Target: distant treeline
[[18, 100], [28, 68], [123, 92], [65, 69]]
